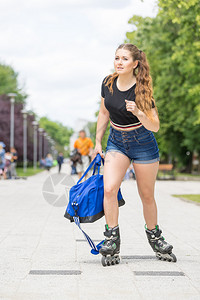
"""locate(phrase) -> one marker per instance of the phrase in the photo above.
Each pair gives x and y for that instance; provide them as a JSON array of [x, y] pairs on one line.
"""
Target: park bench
[[166, 172]]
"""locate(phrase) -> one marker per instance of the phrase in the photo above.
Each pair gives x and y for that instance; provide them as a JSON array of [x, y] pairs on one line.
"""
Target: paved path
[[35, 237]]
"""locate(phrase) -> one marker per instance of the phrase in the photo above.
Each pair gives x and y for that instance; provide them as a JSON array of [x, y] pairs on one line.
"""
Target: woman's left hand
[[132, 107]]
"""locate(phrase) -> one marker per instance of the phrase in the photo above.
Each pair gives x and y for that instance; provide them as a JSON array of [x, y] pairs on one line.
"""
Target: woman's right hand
[[97, 149]]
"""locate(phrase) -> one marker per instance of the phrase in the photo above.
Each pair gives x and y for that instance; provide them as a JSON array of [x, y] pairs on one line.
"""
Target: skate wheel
[[174, 259], [117, 260], [113, 261], [159, 256], [104, 261], [169, 259]]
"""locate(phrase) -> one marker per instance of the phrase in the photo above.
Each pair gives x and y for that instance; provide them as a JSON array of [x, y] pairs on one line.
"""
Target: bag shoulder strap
[[95, 248], [95, 161]]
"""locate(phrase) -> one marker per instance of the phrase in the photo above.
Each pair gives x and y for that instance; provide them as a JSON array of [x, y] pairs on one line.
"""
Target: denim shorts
[[139, 145]]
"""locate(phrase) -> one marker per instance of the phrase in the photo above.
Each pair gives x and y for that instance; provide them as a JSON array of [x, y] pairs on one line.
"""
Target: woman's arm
[[149, 124], [152, 125], [102, 123]]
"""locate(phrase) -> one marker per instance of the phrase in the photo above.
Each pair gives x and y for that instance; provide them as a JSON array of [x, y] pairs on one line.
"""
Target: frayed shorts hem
[[151, 161], [116, 150]]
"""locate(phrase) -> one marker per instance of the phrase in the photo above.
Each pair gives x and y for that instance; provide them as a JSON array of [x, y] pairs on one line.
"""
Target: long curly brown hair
[[143, 90]]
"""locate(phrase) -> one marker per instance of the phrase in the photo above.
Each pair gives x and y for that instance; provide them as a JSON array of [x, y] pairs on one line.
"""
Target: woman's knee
[[147, 198], [110, 191]]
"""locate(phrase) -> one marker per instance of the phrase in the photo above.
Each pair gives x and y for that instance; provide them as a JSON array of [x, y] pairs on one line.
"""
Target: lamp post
[[40, 130], [12, 120], [35, 144], [49, 147], [44, 149], [53, 148], [24, 112]]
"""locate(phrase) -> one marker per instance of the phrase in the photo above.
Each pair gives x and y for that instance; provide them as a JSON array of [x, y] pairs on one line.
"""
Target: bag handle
[[98, 163], [96, 160]]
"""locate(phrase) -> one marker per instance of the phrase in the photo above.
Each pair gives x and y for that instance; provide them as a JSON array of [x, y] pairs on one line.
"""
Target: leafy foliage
[[58, 132], [9, 83], [171, 42]]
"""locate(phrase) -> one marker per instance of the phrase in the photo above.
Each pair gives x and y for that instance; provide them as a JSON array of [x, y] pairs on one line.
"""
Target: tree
[[171, 42], [9, 83], [58, 132]]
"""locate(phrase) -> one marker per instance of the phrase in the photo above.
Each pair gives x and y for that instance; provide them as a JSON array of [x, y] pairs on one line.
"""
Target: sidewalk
[[44, 256]]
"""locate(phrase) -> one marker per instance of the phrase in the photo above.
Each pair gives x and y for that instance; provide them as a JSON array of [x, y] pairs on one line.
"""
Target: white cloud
[[13, 4], [63, 49]]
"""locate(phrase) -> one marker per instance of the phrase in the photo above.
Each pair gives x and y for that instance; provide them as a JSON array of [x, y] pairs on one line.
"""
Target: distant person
[[42, 163], [60, 160], [130, 173], [73, 168], [48, 162], [2, 160], [84, 145], [75, 157], [7, 169], [13, 162]]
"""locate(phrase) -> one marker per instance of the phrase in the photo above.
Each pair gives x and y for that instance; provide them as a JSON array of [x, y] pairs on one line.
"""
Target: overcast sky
[[63, 49]]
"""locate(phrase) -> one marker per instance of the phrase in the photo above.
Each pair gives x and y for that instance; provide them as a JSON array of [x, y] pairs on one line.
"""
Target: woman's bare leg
[[146, 177], [115, 168]]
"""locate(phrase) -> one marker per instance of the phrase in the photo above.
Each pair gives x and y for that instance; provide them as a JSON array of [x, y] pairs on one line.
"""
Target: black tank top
[[116, 105]]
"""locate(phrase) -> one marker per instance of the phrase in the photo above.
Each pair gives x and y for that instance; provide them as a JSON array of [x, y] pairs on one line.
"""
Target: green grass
[[177, 174], [29, 172], [195, 198], [187, 174]]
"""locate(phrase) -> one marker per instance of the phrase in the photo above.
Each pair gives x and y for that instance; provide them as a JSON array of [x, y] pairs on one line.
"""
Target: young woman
[[127, 102]]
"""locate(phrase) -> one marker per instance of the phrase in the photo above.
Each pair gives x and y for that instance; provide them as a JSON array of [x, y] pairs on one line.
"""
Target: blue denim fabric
[[139, 145]]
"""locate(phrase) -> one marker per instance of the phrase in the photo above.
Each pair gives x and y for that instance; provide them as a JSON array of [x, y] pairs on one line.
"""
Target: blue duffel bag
[[86, 201], [86, 198]]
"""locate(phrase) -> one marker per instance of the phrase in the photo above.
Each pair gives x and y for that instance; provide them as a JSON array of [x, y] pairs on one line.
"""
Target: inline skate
[[162, 249], [111, 247]]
